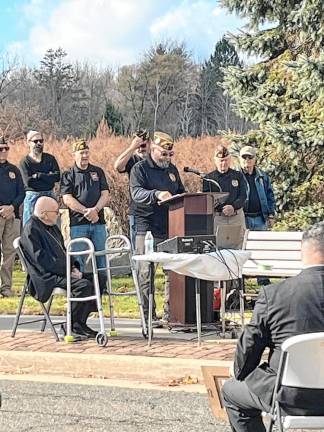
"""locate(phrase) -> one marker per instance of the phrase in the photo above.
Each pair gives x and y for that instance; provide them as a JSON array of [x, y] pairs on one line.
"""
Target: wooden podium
[[191, 214]]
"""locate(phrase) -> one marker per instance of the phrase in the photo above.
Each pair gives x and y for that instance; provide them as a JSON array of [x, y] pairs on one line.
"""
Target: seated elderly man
[[43, 247], [292, 307]]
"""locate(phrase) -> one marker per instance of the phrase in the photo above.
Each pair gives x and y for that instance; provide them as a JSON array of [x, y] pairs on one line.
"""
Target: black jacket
[[294, 306], [146, 181], [45, 256]]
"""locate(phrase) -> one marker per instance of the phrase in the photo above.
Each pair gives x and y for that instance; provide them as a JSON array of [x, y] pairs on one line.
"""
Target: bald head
[[46, 209], [312, 249]]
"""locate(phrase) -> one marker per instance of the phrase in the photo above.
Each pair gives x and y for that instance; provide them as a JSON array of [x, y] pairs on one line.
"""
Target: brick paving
[[29, 341]]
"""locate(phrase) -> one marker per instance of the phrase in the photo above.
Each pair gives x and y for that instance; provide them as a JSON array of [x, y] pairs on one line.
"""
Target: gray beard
[[164, 164], [37, 151]]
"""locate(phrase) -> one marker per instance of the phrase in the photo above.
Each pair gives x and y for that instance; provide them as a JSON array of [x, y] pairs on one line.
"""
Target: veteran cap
[[248, 150], [163, 140], [80, 145], [221, 151], [142, 133]]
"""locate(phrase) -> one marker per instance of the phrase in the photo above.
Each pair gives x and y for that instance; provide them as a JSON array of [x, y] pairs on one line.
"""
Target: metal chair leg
[[49, 304], [19, 309], [48, 319]]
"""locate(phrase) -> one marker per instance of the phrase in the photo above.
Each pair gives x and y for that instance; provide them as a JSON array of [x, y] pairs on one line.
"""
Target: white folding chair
[[301, 366], [45, 308]]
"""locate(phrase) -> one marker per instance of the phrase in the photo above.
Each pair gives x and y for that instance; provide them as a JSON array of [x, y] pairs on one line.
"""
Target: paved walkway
[[29, 341]]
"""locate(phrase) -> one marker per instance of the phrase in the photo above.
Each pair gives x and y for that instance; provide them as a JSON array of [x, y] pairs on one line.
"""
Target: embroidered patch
[[235, 183], [12, 175], [94, 175], [172, 177]]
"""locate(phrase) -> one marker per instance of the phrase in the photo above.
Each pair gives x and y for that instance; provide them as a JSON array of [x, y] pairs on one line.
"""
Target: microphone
[[203, 176], [194, 171]]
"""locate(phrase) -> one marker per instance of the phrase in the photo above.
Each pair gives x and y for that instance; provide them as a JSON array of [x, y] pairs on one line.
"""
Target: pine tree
[[283, 94], [114, 118]]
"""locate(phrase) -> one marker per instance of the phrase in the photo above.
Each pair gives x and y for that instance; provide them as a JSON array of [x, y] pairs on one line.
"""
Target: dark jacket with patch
[[292, 307], [147, 180], [45, 256]]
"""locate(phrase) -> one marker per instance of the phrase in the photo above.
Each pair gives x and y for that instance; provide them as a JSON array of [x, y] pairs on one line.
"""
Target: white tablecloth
[[202, 266]]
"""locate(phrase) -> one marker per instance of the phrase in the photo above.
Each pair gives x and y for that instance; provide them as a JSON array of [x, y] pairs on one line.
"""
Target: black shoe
[[89, 331], [79, 330]]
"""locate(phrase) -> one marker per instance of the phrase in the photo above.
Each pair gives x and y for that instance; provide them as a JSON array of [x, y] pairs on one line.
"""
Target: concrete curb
[[145, 370]]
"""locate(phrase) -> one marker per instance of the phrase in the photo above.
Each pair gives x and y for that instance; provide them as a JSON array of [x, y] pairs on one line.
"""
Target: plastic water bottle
[[149, 243]]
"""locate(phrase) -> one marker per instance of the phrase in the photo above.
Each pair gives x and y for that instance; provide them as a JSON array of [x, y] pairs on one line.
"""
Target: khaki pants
[[9, 230], [146, 273], [236, 219]]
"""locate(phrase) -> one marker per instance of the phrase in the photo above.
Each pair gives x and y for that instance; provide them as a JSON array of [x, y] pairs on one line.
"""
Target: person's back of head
[[312, 249]]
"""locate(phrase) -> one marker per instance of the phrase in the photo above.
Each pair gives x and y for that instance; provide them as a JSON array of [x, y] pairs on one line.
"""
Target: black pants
[[243, 407], [82, 288]]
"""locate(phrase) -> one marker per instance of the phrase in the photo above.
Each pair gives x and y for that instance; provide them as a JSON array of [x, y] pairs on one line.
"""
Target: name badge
[[12, 175], [235, 183], [94, 176]]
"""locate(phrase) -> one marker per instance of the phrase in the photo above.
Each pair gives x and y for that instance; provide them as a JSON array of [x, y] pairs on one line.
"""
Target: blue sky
[[110, 32]]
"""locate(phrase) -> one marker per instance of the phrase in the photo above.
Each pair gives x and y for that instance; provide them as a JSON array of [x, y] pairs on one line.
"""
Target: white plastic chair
[[301, 366]]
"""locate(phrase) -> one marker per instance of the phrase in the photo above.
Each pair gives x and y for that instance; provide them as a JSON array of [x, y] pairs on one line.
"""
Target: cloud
[[116, 32], [198, 23]]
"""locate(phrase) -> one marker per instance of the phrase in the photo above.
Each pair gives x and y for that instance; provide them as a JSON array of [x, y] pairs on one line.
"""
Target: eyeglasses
[[52, 211], [4, 149], [249, 157], [36, 141], [142, 146]]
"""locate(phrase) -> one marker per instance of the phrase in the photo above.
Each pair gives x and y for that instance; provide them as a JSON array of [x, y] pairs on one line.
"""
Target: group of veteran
[[152, 178]]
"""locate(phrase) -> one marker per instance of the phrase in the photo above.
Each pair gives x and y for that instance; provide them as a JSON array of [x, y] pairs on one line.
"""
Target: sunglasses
[[4, 149], [36, 141], [249, 157], [142, 146]]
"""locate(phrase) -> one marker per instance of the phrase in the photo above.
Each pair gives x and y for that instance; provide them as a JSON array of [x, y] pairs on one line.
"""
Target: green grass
[[124, 307]]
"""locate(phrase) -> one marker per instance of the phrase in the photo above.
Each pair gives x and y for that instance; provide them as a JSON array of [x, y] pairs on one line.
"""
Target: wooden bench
[[273, 253]]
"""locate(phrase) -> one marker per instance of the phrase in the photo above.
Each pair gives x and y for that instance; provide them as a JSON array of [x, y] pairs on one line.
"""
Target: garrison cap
[[221, 151], [163, 140], [142, 133], [80, 145]]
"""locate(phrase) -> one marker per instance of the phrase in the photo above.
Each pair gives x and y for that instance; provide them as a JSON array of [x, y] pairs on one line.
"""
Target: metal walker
[[111, 251], [101, 338]]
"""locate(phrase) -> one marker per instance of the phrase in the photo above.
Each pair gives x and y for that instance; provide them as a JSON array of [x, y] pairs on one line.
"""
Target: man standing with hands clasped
[[11, 197], [85, 192], [40, 172]]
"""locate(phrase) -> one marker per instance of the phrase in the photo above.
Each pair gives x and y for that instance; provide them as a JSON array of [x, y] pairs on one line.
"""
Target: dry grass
[[105, 147]]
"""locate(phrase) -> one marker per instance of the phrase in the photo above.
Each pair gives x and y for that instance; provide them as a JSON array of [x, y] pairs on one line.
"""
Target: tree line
[[165, 90]]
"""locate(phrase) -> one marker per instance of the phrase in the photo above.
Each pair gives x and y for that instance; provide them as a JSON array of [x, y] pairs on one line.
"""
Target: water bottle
[[149, 243]]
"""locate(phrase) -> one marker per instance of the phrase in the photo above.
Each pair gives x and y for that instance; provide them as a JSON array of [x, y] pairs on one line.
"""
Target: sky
[[110, 32]]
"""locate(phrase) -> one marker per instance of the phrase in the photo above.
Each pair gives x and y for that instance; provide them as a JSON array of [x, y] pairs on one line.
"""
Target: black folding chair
[[46, 308]]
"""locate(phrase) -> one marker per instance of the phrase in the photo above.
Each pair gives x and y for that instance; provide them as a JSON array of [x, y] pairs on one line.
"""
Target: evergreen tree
[[212, 106], [114, 118], [283, 94]]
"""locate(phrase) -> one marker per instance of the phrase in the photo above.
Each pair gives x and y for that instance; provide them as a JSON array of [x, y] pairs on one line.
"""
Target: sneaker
[[7, 293]]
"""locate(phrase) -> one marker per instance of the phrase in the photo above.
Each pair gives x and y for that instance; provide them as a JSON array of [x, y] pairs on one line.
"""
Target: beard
[[163, 164], [38, 149]]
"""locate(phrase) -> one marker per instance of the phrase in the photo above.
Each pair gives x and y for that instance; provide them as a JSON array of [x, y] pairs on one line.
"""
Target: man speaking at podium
[[152, 181]]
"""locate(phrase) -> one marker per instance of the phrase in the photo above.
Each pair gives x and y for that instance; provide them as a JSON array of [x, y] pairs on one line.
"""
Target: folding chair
[[45, 308], [301, 366]]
